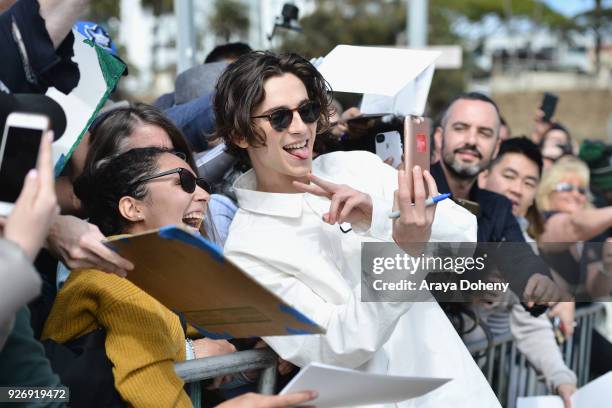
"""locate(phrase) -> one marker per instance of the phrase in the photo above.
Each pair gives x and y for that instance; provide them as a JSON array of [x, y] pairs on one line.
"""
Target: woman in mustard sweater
[[139, 190]]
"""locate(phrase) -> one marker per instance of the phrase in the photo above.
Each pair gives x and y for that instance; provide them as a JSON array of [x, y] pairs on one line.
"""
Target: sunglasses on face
[[568, 188], [280, 119], [187, 179]]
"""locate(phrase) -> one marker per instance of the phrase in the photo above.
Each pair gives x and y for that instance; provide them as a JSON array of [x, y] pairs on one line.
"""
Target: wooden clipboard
[[189, 275]]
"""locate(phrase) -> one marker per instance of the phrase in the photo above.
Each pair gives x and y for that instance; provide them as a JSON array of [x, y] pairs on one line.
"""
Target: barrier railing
[[506, 369], [217, 366], [510, 374]]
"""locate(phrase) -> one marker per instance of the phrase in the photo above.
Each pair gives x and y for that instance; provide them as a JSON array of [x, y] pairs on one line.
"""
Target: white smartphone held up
[[389, 144], [18, 154]]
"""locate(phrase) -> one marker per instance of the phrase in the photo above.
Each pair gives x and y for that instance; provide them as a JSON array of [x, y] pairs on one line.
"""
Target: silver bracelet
[[189, 350]]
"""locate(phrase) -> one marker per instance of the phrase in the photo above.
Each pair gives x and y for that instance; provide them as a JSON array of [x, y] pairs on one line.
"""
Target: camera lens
[[380, 138]]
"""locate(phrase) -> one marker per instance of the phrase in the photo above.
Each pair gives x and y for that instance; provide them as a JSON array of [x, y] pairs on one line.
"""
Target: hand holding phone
[[19, 148], [549, 105], [36, 206]]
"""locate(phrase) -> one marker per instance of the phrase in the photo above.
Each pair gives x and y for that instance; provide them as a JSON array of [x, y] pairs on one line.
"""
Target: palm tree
[[230, 17]]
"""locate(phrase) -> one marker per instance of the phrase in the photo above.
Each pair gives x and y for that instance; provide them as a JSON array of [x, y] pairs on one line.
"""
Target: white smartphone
[[389, 144], [18, 153]]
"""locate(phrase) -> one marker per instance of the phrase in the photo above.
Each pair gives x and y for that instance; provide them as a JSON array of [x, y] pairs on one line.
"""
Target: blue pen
[[428, 202]]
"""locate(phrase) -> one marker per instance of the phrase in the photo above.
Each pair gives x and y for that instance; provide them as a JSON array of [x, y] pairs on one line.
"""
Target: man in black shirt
[[467, 140]]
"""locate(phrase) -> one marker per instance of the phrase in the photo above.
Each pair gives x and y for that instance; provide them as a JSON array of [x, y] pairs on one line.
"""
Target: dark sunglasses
[[568, 188], [187, 179], [281, 118]]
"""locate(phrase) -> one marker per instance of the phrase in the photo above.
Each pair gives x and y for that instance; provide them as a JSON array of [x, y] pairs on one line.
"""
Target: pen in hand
[[428, 202]]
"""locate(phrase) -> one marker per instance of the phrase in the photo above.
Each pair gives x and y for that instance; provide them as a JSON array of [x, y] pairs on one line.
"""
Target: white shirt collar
[[277, 204]]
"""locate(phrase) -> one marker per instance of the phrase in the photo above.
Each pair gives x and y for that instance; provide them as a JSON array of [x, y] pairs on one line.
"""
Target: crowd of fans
[[69, 316]]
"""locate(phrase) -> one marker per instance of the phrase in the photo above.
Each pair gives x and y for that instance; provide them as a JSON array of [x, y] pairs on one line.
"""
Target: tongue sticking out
[[302, 153]]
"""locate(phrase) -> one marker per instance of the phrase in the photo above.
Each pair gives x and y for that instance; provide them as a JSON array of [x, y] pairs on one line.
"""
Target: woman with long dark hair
[[136, 191]]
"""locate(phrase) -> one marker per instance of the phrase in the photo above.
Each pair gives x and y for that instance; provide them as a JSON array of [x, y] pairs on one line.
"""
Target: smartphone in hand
[[18, 153], [416, 145], [549, 105], [389, 145]]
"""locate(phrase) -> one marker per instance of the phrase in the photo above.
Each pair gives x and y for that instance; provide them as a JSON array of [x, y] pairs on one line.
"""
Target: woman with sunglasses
[[570, 218], [74, 241], [300, 234], [136, 191]]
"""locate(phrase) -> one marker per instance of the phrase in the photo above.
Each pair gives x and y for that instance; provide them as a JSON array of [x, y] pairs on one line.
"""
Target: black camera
[[380, 138]]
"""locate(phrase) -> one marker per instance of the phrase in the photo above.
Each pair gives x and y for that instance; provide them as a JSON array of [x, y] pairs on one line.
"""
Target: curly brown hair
[[241, 88]]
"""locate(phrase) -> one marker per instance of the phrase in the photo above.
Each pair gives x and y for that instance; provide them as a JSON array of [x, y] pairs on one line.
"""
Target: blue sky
[[572, 7]]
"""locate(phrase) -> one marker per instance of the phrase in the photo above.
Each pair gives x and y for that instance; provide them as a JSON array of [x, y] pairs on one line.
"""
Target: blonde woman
[[570, 218]]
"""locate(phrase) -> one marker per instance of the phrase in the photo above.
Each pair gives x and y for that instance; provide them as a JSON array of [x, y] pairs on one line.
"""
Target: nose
[[580, 198], [297, 125], [201, 195], [516, 188], [471, 137]]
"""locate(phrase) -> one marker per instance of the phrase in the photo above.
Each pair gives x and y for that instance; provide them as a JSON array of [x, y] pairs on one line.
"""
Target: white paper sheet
[[393, 80], [339, 387], [596, 394]]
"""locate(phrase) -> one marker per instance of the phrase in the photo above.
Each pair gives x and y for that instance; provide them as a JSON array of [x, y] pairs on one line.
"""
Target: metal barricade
[[193, 371], [510, 374]]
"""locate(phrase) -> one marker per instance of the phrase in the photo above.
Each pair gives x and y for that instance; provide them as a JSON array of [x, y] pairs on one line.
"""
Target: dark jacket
[[23, 362], [30, 62], [496, 223]]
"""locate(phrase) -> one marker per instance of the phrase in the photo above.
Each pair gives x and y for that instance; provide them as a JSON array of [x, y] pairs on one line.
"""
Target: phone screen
[[549, 105], [20, 153]]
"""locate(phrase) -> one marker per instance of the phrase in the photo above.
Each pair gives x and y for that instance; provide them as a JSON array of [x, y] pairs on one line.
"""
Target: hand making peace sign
[[347, 204]]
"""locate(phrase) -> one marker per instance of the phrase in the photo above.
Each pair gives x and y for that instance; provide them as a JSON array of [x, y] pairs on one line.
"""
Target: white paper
[[80, 104], [339, 387], [393, 80], [596, 394]]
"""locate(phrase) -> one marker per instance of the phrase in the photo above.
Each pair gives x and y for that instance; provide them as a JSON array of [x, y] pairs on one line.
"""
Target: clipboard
[[189, 275]]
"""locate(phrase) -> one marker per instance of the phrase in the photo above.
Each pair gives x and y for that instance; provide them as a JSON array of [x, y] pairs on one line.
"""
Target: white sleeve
[[452, 223], [355, 330]]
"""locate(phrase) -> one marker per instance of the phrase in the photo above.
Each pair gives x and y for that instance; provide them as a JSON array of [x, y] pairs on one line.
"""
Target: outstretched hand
[[252, 400], [347, 204], [79, 245]]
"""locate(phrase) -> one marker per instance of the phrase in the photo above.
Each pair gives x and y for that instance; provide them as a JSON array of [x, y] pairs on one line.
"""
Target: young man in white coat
[[299, 230]]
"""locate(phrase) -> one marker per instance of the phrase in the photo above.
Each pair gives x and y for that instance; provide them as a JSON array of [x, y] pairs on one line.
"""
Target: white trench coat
[[282, 242]]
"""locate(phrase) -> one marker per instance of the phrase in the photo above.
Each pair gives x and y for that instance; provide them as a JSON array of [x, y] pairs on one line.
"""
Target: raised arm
[[580, 225], [60, 16]]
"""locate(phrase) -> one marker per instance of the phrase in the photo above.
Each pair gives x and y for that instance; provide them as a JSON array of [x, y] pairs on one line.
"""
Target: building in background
[[150, 41]]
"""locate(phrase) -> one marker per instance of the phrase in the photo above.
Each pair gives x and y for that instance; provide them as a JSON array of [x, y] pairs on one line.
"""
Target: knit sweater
[[143, 338]]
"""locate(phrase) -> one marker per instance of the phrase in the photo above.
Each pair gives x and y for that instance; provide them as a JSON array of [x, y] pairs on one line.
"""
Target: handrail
[[482, 345], [212, 367]]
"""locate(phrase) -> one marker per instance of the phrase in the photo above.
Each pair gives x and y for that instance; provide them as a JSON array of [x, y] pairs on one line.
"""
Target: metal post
[[183, 9], [267, 381], [417, 22]]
